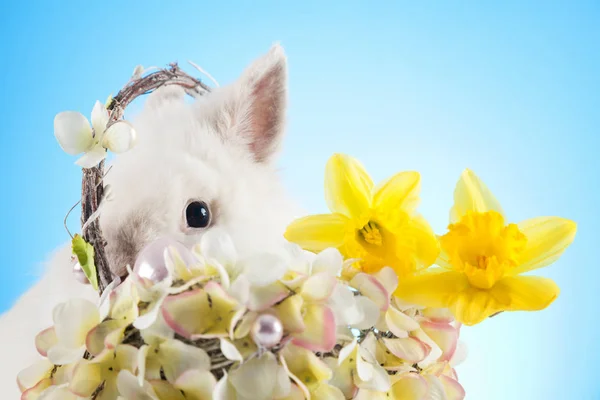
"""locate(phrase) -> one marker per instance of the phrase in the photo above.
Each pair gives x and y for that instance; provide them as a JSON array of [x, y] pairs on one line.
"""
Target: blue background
[[510, 90]]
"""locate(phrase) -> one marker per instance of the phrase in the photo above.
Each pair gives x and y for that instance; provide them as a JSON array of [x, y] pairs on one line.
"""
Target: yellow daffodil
[[377, 224], [483, 257]]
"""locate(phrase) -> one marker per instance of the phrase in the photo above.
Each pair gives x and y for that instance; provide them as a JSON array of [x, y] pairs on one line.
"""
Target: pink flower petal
[[264, 297], [105, 335], [399, 323], [289, 312], [388, 278], [319, 334], [409, 349], [372, 288], [34, 392], [438, 314], [318, 287], [32, 375], [453, 389], [444, 335], [201, 313], [45, 340], [410, 387]]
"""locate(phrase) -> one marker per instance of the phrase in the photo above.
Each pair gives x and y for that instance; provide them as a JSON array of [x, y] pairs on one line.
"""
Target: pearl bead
[[79, 274], [150, 262], [267, 331]]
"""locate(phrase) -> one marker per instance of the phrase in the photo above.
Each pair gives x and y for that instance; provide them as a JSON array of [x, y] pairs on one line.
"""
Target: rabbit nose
[[127, 240]]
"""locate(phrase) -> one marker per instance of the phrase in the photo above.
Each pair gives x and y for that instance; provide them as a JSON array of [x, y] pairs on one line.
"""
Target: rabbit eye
[[197, 214]]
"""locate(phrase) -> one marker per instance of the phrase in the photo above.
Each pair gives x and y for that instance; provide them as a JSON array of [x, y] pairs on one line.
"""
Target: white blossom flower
[[75, 135], [260, 378]]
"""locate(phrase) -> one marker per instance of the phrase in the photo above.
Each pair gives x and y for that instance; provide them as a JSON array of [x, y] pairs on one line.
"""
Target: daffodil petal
[[73, 132], [547, 239], [400, 193], [119, 137], [432, 289], [409, 349], [471, 194], [319, 334], [443, 259], [424, 241], [347, 187], [92, 158], [197, 384], [318, 232], [165, 391], [410, 387], [525, 293], [472, 306]]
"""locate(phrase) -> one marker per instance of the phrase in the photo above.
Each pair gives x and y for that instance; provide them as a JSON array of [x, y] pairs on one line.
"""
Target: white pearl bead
[[79, 274], [267, 331], [150, 262]]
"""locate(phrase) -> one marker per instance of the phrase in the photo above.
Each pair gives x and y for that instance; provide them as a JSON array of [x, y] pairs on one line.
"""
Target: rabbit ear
[[253, 108]]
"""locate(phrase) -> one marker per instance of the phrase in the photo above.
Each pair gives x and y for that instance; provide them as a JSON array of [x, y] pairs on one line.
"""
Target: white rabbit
[[218, 153]]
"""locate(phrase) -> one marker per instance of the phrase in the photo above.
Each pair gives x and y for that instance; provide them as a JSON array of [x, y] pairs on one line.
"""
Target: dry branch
[[92, 188]]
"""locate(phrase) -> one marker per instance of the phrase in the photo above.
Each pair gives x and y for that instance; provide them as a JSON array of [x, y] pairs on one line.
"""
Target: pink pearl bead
[[79, 274], [267, 331], [150, 263]]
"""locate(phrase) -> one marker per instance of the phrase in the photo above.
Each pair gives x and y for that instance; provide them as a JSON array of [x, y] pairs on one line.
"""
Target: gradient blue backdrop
[[511, 91]]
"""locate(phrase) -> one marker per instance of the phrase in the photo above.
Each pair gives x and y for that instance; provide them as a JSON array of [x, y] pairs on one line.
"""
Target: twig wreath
[[366, 302]]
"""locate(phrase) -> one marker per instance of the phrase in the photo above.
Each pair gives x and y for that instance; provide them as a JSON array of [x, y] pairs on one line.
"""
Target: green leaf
[[85, 255]]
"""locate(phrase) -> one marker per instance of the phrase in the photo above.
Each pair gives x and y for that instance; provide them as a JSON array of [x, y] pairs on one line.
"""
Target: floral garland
[[363, 303]]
